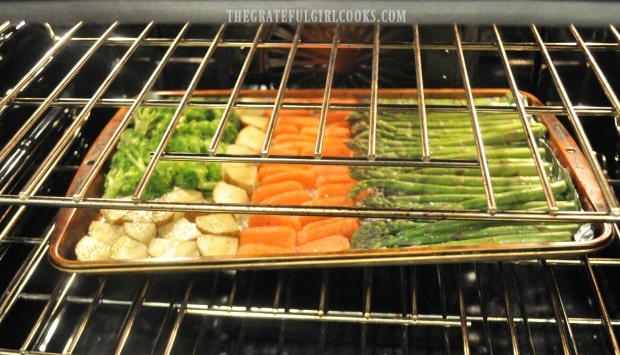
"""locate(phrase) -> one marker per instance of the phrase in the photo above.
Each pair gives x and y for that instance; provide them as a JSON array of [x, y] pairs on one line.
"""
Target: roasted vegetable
[[192, 135]]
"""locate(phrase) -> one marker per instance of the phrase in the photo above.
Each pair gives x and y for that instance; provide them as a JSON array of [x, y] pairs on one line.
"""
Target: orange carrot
[[301, 121], [331, 190], [321, 170], [331, 150], [337, 116], [281, 138], [293, 198], [333, 179], [283, 150], [338, 201], [265, 191], [256, 249], [306, 177], [263, 220], [278, 236], [330, 131], [344, 226], [285, 128], [268, 169], [332, 243]]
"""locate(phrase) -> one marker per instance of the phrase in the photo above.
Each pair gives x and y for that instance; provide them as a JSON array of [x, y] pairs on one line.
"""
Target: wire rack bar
[[482, 158], [281, 90]]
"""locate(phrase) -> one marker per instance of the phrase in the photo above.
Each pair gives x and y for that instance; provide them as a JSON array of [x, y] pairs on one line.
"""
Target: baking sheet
[[72, 223]]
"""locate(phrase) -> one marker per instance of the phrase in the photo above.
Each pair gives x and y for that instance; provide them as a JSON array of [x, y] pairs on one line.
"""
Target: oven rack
[[30, 195], [538, 306]]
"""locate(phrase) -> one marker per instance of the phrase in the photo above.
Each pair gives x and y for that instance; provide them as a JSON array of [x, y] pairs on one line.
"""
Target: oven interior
[[539, 306]]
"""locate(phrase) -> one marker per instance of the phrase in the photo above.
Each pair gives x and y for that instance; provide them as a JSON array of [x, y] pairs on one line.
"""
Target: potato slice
[[162, 248], [227, 193], [114, 216], [181, 229], [91, 249], [126, 248], [213, 245], [251, 137], [140, 231], [259, 122], [218, 223], [181, 195], [158, 217], [244, 177], [105, 232]]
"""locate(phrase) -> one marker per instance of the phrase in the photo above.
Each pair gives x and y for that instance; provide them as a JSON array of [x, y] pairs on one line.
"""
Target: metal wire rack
[[461, 308]]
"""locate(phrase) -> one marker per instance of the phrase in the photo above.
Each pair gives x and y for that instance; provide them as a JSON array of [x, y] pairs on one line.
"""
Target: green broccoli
[[193, 134]]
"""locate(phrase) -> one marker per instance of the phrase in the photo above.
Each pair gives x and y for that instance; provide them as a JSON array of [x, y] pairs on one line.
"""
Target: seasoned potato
[[158, 217], [213, 245], [161, 247], [126, 248], [227, 193], [259, 122], [105, 232], [221, 224], [140, 231], [181, 229], [251, 137], [244, 177], [114, 216], [91, 249], [181, 195]]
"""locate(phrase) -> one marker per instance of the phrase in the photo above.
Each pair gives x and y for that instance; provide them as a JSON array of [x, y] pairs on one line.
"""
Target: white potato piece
[[227, 193], [140, 231], [114, 216], [105, 232], [237, 150], [251, 137], [158, 217], [166, 248], [181, 229], [125, 248], [244, 177], [212, 245], [91, 249], [218, 223], [257, 121], [181, 195]]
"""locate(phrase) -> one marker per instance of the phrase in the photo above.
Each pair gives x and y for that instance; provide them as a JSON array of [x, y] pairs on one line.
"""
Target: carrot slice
[[306, 177], [331, 150], [330, 131], [256, 249], [278, 236], [332, 243], [301, 121], [284, 150], [321, 170], [337, 116], [294, 138], [285, 128], [293, 198], [263, 220], [344, 226], [269, 169], [265, 191], [337, 201], [331, 190], [333, 179]]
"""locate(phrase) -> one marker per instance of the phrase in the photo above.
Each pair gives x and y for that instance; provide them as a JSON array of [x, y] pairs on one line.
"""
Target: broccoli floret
[[151, 122], [197, 175], [121, 181], [193, 134]]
